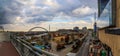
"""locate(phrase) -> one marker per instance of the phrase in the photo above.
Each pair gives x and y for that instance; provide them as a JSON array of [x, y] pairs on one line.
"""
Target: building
[[76, 28], [84, 28], [110, 34]]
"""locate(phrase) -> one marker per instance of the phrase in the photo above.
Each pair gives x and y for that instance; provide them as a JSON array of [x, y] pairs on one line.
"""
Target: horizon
[[22, 15]]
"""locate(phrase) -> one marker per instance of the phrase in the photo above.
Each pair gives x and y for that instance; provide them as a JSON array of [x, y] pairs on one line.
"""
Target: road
[[83, 51]]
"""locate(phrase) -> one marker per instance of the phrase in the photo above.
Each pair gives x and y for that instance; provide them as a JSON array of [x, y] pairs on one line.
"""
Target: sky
[[22, 15]]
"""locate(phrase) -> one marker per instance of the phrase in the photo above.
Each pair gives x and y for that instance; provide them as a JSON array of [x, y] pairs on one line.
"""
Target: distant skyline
[[21, 15]]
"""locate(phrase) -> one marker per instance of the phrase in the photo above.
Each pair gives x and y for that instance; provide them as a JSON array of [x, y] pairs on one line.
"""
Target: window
[[106, 16]]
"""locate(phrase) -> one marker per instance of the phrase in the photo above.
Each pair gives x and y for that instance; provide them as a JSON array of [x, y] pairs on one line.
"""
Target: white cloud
[[67, 25], [83, 11], [42, 12], [54, 25], [51, 3], [102, 23]]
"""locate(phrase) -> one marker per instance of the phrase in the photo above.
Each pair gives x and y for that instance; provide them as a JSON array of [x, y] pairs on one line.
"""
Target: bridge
[[37, 27], [12, 45]]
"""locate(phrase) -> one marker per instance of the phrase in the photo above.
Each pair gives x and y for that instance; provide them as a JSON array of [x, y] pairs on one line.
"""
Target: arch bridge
[[38, 27]]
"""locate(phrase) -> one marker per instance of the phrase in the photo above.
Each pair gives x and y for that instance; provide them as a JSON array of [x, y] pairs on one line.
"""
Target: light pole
[[95, 31]]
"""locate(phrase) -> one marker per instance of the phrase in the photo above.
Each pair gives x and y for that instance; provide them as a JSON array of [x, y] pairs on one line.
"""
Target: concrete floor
[[6, 47]]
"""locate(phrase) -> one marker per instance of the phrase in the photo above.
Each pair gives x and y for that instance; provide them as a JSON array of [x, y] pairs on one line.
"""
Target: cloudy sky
[[21, 15]]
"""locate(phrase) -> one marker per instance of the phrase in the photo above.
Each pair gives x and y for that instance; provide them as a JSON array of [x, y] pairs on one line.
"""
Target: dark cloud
[[39, 11], [38, 19], [66, 6], [9, 10]]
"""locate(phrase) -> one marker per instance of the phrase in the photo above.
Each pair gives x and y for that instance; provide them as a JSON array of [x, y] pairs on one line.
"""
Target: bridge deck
[[7, 49]]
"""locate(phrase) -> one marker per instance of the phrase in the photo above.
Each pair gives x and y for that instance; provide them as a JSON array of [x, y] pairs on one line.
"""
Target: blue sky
[[25, 14]]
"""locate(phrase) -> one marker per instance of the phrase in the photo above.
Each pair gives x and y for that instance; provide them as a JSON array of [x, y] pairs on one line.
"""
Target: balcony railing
[[24, 48]]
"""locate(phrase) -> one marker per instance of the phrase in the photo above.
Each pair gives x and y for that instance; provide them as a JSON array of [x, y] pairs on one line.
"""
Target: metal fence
[[24, 48]]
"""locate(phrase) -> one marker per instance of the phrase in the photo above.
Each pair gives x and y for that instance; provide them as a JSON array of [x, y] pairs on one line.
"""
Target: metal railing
[[24, 48]]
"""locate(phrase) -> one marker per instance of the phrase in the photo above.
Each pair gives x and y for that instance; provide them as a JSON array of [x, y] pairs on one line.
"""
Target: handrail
[[38, 50], [26, 49], [29, 48], [22, 48]]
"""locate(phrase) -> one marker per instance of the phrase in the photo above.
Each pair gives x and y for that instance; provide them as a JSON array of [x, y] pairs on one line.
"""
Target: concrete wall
[[112, 40], [4, 36]]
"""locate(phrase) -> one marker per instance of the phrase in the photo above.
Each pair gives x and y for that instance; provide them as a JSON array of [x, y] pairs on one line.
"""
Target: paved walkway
[[6, 47]]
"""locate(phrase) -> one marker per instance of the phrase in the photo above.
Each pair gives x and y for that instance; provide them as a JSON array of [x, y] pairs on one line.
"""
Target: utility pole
[[95, 27]]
